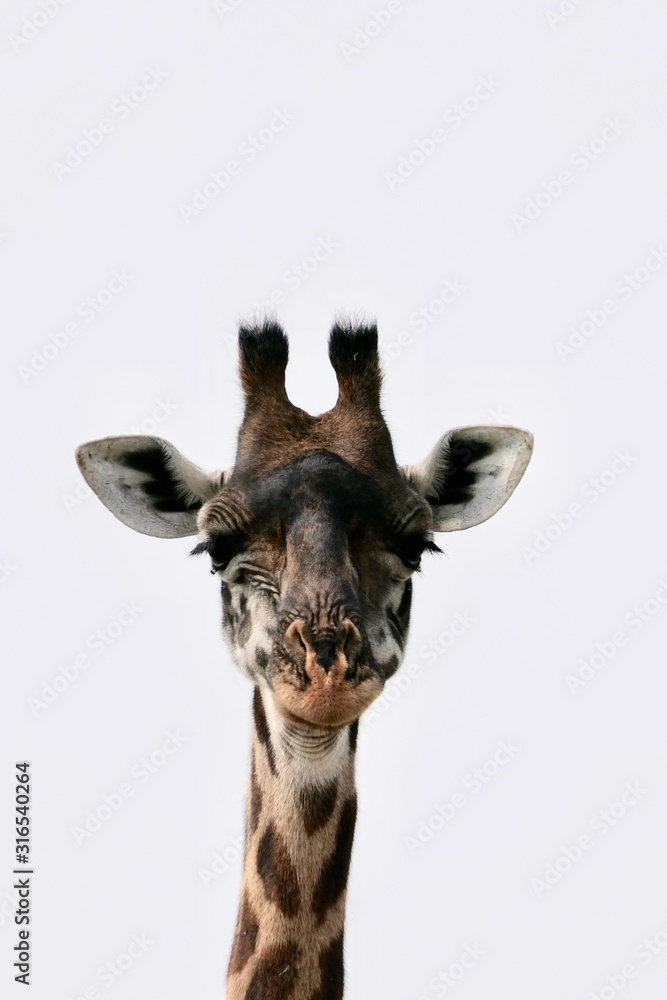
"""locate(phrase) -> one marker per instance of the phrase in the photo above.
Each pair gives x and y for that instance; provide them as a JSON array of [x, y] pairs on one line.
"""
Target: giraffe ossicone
[[315, 533]]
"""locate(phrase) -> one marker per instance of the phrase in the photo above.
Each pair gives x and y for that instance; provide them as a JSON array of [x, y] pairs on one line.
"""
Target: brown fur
[[245, 940], [299, 835], [317, 805], [277, 872], [275, 432], [295, 848]]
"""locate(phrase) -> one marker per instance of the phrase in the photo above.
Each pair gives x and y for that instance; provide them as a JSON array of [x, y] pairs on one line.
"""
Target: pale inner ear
[[147, 483], [471, 473]]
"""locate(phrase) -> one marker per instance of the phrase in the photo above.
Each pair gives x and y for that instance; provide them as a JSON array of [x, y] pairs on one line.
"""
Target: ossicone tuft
[[263, 356], [353, 352]]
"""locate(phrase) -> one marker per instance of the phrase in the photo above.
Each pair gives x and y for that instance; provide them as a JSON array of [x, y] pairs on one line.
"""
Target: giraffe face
[[316, 531], [315, 562]]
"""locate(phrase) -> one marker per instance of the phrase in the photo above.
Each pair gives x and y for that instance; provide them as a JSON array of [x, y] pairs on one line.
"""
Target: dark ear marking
[[163, 486], [455, 479]]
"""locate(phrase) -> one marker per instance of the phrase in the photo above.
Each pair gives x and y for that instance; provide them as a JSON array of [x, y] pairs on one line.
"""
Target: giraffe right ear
[[471, 473], [148, 484]]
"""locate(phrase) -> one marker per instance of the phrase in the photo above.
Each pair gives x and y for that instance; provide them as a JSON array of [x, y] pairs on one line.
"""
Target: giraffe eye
[[221, 549], [410, 548]]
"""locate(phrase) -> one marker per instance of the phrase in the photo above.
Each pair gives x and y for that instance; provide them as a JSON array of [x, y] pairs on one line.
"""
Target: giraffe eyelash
[[221, 549], [410, 549]]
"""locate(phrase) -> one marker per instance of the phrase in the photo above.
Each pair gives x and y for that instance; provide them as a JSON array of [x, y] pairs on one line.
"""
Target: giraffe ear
[[147, 483], [470, 474]]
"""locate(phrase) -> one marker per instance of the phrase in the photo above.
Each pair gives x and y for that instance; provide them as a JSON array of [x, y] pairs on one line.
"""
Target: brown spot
[[277, 873], [331, 972], [275, 974], [333, 877], [245, 939], [317, 805], [255, 798], [262, 728]]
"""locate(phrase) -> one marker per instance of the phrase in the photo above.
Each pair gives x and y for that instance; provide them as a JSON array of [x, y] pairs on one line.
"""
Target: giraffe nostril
[[300, 640], [301, 643], [349, 640], [295, 641]]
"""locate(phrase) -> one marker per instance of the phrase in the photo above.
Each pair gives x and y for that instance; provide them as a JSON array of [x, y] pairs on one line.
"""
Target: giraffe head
[[315, 531]]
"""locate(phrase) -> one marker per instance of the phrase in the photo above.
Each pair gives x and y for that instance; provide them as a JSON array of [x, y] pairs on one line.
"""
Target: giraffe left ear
[[471, 473], [147, 483]]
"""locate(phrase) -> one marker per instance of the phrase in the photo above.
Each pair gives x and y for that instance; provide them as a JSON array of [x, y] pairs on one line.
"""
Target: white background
[[164, 344]]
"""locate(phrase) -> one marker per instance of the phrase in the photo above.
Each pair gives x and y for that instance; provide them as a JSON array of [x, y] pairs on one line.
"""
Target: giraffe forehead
[[319, 483], [320, 489]]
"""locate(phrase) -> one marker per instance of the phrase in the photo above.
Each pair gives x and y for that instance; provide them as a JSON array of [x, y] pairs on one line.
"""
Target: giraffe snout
[[310, 649], [322, 676]]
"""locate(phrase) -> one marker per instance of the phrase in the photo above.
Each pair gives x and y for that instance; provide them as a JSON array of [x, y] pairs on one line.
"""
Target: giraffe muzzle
[[320, 678]]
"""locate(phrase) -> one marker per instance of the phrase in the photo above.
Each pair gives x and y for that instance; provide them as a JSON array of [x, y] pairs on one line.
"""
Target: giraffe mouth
[[328, 699]]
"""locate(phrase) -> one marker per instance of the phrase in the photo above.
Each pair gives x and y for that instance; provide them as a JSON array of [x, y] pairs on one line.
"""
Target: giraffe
[[315, 533]]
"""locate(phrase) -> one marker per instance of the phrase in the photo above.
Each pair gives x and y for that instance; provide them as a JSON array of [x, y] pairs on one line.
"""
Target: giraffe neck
[[300, 818]]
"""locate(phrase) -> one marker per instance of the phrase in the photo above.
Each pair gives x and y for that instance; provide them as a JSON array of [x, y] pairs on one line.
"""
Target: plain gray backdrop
[[487, 180]]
